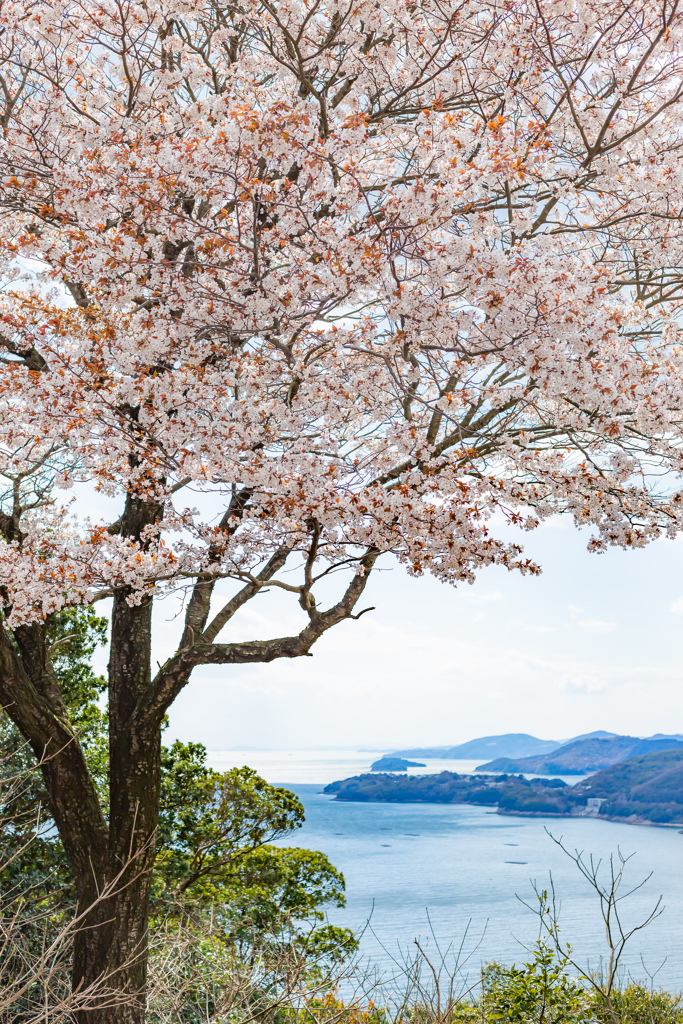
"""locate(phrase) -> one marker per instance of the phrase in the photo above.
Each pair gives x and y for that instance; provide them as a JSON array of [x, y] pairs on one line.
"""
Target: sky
[[595, 642]]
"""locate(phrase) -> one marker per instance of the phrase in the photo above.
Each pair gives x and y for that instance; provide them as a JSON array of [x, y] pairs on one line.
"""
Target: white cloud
[[574, 609], [677, 606], [597, 626], [585, 685]]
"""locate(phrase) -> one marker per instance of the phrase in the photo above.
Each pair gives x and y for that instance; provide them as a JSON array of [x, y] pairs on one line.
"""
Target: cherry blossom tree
[[295, 285]]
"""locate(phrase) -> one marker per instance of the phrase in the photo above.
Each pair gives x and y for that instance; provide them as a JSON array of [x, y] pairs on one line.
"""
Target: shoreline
[[524, 814]]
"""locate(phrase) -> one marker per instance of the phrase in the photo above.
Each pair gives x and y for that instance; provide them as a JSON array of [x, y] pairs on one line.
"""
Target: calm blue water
[[408, 864]]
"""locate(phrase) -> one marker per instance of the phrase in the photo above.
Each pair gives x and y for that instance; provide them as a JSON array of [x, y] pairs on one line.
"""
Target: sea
[[463, 881]]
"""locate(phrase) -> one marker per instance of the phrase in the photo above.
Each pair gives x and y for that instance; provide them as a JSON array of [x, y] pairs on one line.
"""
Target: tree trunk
[[111, 949], [113, 954], [110, 957], [112, 865]]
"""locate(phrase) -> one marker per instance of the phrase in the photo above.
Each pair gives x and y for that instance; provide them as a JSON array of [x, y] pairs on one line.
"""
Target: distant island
[[516, 752], [583, 756], [394, 764], [645, 789]]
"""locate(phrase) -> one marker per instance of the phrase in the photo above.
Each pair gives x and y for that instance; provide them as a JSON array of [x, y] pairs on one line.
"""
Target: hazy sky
[[595, 642]]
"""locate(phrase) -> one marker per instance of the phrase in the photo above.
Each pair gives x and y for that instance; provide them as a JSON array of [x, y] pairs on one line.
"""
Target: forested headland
[[647, 789]]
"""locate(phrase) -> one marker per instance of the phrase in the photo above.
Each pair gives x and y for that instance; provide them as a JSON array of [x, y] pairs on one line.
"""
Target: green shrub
[[636, 1004], [539, 992]]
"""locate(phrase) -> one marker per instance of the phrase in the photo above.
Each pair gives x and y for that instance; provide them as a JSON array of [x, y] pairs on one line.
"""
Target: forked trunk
[[112, 860]]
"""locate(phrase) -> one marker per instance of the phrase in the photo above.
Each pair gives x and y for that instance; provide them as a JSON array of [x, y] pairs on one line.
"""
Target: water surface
[[407, 865]]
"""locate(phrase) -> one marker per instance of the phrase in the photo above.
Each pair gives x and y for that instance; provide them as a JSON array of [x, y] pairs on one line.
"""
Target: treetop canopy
[[360, 276]]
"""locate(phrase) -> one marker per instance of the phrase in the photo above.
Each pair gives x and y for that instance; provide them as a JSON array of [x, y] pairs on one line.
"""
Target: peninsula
[[645, 789]]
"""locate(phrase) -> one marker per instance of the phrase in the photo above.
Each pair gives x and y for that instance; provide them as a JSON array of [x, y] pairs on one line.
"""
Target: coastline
[[632, 820], [523, 814]]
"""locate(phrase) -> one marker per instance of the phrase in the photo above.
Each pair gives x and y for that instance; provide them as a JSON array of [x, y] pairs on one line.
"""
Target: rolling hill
[[648, 787]]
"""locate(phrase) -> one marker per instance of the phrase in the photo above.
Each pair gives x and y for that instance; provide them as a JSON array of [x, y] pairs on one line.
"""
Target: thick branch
[[273, 565], [30, 357], [174, 675]]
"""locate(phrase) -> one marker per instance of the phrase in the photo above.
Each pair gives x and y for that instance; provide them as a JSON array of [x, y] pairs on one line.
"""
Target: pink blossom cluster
[[385, 272]]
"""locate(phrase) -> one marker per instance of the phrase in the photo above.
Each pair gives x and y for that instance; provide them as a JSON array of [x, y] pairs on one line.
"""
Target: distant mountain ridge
[[583, 756], [510, 745]]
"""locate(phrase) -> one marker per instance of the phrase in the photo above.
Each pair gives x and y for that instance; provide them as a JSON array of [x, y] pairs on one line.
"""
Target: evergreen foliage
[[214, 852]]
